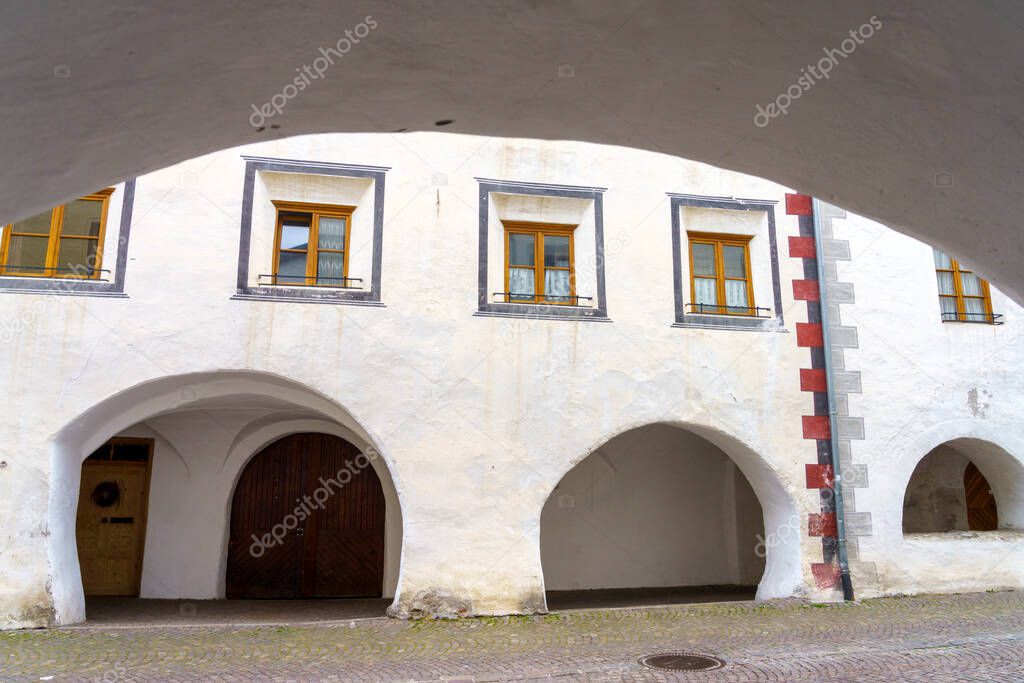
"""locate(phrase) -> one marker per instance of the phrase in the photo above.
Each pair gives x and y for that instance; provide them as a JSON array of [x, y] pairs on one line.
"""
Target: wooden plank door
[[981, 504], [111, 526], [350, 529], [266, 493], [336, 551]]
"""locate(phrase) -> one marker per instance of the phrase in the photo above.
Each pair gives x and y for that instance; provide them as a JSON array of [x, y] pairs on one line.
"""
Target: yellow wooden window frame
[[958, 293], [316, 212], [51, 267], [539, 231], [718, 241]]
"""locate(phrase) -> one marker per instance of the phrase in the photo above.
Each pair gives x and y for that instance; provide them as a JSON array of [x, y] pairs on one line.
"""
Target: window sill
[[542, 311], [60, 286], [726, 321], [1008, 535], [997, 320], [309, 295]]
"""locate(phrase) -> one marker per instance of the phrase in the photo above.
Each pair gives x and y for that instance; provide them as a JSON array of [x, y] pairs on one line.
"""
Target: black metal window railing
[[271, 280], [71, 272], [967, 317], [531, 298], [715, 309]]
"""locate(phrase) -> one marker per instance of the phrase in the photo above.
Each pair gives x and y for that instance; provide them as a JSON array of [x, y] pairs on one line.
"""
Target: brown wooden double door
[[299, 530]]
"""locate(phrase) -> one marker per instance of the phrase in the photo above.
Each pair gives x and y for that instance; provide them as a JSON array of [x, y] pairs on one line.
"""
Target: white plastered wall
[[927, 384], [476, 425]]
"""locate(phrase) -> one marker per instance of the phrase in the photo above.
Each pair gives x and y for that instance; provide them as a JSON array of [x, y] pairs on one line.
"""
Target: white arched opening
[[936, 558], [205, 427], [664, 507]]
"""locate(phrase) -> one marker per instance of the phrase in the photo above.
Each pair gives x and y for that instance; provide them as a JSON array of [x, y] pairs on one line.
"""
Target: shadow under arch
[[782, 576], [297, 404]]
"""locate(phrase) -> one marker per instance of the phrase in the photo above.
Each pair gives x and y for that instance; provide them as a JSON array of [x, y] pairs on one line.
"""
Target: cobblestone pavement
[[971, 637]]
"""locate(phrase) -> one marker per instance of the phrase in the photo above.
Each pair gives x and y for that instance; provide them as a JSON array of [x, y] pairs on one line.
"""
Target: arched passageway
[[657, 514], [200, 434]]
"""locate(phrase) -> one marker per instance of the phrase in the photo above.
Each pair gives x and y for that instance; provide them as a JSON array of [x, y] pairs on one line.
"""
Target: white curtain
[[331, 233], [520, 281], [330, 268], [556, 285], [975, 307], [945, 282], [970, 284], [705, 292], [736, 294]]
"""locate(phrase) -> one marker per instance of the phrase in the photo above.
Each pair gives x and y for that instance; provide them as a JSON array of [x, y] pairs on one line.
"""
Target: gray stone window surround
[[81, 287], [723, 322], [316, 295], [485, 307]]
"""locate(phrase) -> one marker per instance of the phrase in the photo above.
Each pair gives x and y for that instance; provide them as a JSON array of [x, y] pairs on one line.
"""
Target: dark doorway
[[307, 521], [981, 504]]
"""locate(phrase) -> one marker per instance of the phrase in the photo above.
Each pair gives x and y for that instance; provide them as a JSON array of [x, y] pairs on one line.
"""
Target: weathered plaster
[[477, 419]]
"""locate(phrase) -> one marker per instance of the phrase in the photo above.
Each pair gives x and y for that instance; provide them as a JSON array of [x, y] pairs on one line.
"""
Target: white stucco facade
[[478, 416]]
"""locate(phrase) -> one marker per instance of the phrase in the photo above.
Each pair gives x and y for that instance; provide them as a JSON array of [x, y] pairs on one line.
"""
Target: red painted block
[[819, 476], [825, 575], [798, 204], [809, 334], [806, 290], [802, 247], [816, 427], [823, 524], [813, 380]]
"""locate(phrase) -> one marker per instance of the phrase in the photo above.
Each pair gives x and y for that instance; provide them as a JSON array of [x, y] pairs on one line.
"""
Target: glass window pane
[[942, 261], [971, 284], [330, 268], [735, 261], [945, 282], [291, 268], [331, 233], [556, 286], [948, 306], [736, 295], [37, 225], [705, 291], [520, 249], [295, 232], [77, 257], [28, 252], [703, 259], [521, 284], [82, 217], [556, 251]]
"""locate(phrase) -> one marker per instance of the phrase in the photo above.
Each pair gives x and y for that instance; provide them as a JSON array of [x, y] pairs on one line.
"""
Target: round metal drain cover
[[682, 661]]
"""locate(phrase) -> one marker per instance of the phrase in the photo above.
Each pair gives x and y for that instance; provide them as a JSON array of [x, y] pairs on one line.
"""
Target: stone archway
[[189, 520], [664, 508]]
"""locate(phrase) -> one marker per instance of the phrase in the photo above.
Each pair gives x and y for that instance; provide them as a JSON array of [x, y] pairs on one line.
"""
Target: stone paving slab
[[971, 637]]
